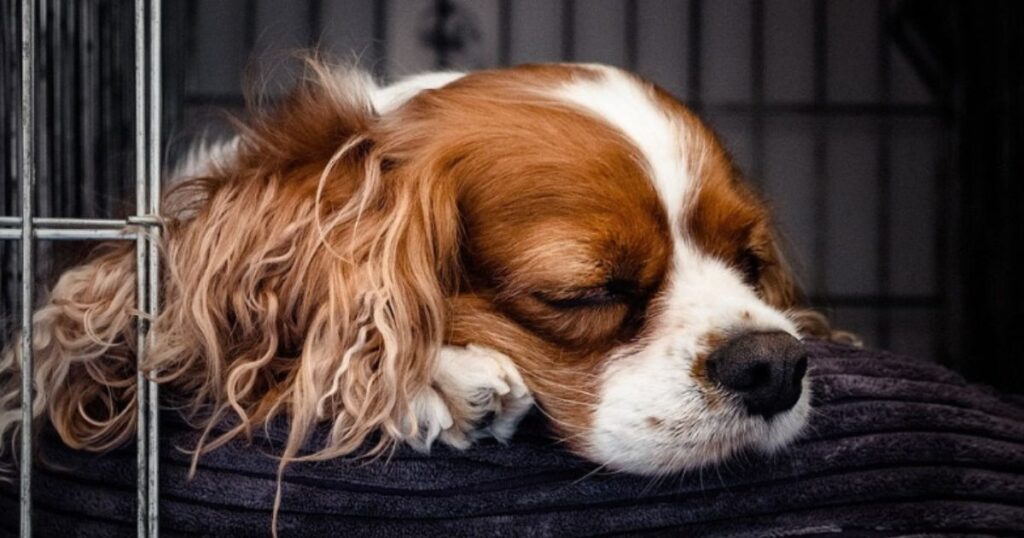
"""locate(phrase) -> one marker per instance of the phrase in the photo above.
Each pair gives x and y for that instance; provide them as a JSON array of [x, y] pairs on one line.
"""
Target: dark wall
[[988, 90]]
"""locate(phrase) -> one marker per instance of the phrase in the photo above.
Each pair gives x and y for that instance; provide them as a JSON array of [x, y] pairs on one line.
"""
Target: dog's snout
[[765, 369]]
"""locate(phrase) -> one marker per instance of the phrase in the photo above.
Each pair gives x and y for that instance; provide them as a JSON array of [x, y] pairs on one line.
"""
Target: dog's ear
[[390, 251], [386, 238], [310, 276]]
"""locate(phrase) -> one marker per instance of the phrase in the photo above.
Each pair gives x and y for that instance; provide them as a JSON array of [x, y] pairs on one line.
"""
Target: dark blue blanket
[[896, 446]]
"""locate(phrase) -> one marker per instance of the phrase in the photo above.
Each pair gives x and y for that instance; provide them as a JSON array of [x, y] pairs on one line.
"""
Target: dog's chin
[[665, 448]]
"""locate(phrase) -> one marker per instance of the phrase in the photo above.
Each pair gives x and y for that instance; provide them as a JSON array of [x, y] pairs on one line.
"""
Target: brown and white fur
[[412, 259]]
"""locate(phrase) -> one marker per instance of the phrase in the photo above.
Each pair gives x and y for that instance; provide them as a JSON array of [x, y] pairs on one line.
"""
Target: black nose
[[765, 369]]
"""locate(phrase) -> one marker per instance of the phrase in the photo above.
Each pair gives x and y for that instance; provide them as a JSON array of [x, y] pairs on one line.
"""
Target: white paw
[[476, 392]]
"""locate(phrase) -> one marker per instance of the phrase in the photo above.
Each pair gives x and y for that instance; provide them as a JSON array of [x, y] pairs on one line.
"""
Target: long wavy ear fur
[[84, 346], [305, 277]]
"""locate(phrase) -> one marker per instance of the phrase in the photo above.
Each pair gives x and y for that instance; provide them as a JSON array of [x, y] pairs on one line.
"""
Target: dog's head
[[608, 246], [574, 217]]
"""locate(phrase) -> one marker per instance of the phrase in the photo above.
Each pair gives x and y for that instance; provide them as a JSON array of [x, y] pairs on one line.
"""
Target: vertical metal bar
[[313, 14], [187, 67], [820, 146], [8, 153], [251, 26], [884, 237], [442, 36], [105, 25], [568, 30], [87, 119], [141, 290], [693, 62], [153, 158], [380, 38], [757, 68], [631, 34], [947, 331], [44, 199], [504, 32], [28, 180]]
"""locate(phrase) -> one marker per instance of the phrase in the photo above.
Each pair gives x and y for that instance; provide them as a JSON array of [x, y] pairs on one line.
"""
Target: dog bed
[[895, 446]]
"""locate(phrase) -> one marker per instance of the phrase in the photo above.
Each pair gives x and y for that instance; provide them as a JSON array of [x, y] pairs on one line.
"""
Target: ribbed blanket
[[895, 446]]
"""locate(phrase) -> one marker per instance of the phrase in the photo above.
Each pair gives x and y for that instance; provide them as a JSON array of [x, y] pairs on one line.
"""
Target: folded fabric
[[895, 446]]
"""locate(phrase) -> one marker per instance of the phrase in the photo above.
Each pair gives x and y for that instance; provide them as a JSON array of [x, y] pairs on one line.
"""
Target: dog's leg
[[476, 392]]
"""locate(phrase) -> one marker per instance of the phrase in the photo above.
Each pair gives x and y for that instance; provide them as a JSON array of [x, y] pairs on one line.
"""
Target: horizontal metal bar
[[145, 220], [770, 108], [43, 222], [827, 109], [220, 100], [876, 301], [104, 224], [65, 234]]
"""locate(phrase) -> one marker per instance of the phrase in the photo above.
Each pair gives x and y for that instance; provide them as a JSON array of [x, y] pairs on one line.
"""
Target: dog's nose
[[765, 369]]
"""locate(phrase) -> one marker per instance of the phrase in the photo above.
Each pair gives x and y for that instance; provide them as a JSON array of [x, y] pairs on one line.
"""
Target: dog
[[424, 262]]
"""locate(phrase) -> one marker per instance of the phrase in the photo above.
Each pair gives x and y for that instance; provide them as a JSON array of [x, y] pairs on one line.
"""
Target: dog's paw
[[476, 392]]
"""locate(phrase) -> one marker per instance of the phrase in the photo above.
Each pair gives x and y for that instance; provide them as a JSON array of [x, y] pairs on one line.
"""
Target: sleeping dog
[[424, 262]]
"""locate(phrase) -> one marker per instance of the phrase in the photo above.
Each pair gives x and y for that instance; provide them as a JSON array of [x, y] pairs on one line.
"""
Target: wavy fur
[[300, 280]]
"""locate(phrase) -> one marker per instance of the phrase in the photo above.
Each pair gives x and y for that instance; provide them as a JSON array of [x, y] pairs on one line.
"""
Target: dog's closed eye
[[612, 293]]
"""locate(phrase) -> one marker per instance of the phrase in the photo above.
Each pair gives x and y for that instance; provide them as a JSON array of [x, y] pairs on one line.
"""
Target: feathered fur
[[294, 285]]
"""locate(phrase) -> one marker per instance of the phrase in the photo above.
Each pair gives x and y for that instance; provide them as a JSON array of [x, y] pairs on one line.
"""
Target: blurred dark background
[[886, 133]]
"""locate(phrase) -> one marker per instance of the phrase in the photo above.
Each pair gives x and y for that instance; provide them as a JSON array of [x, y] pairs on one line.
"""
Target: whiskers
[[600, 469]]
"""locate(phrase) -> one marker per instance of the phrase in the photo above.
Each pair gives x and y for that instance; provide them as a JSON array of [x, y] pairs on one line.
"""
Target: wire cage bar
[[143, 228], [26, 146], [147, 192]]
